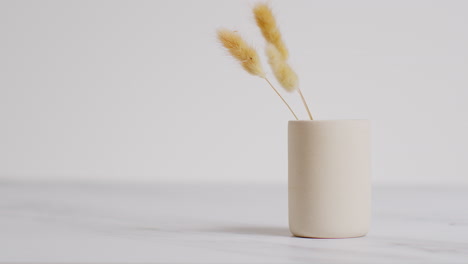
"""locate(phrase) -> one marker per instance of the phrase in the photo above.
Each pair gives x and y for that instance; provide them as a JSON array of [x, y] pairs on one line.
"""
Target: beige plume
[[267, 23], [247, 56], [277, 52], [243, 52], [281, 69]]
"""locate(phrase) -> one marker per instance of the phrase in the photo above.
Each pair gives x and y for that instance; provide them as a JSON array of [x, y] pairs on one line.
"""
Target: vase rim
[[326, 120]]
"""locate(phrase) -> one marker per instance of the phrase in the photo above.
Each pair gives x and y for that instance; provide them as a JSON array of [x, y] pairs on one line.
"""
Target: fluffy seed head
[[267, 24], [240, 50], [281, 69]]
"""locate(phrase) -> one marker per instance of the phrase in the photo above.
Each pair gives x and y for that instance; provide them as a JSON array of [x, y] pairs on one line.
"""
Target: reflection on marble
[[164, 223]]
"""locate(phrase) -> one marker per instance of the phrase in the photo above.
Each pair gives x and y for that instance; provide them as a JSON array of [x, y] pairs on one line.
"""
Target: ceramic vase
[[329, 183]]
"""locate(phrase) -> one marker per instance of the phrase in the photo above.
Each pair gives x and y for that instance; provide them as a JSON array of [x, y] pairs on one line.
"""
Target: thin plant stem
[[284, 101], [305, 103]]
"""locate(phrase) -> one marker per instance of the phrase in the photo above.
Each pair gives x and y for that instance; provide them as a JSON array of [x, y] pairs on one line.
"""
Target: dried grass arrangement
[[276, 51]]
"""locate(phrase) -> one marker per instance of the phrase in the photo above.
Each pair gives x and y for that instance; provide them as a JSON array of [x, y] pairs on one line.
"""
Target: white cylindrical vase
[[329, 182]]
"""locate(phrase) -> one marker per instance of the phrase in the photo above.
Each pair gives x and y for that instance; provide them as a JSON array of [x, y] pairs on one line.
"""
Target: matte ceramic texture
[[329, 178]]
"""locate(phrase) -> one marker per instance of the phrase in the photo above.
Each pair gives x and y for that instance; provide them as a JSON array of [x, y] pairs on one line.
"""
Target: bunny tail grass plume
[[243, 52], [276, 51], [247, 56], [281, 69], [267, 24]]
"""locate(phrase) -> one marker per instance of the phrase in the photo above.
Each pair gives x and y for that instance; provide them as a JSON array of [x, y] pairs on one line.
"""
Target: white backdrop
[[142, 91]]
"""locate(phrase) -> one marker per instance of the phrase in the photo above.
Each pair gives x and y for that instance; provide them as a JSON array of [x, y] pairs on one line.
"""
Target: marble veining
[[183, 223]]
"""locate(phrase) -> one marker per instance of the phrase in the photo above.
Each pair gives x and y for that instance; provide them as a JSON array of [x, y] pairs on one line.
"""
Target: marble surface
[[169, 223]]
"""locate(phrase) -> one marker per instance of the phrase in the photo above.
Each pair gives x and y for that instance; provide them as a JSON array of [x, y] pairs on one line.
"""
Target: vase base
[[329, 236]]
